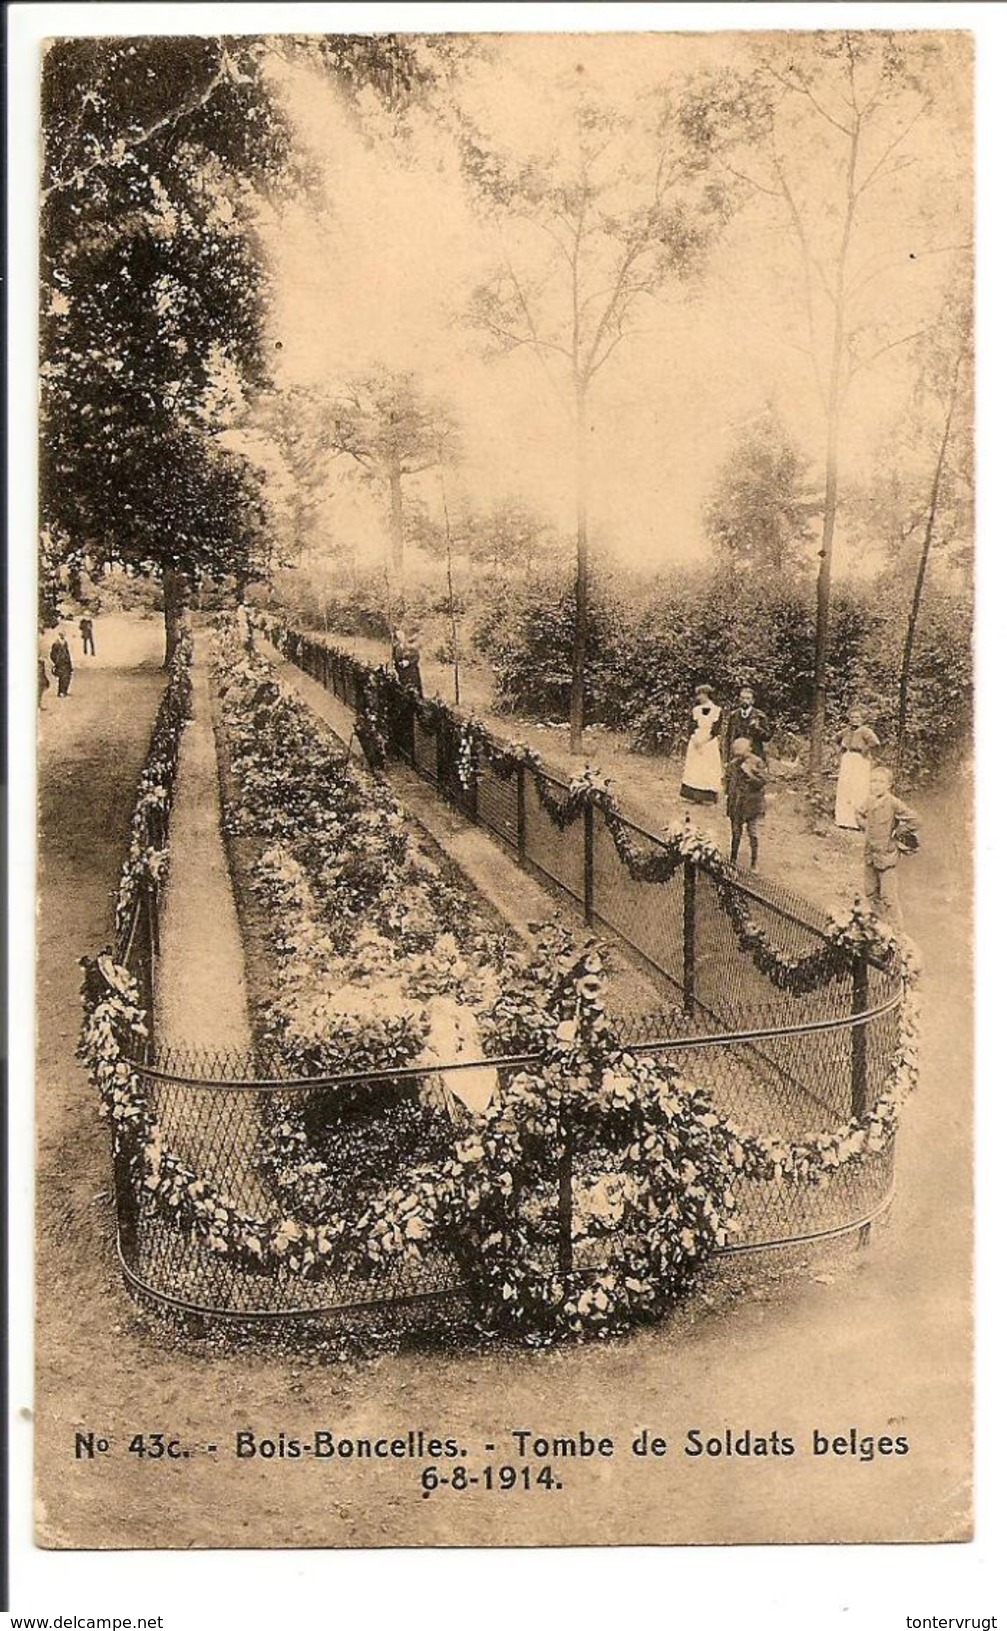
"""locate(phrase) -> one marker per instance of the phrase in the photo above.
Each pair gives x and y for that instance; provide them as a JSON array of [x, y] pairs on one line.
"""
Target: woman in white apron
[[857, 743], [701, 774]]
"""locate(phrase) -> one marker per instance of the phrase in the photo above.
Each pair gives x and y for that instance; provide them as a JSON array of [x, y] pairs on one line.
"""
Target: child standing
[[747, 775], [883, 819], [857, 743]]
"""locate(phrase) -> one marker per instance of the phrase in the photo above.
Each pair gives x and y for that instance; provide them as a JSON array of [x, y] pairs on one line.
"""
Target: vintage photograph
[[504, 927]]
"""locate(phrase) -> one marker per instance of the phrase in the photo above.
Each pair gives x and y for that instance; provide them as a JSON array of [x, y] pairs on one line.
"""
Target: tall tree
[[288, 429], [159, 155], [760, 513], [511, 534], [393, 430], [606, 213], [841, 138], [945, 389]]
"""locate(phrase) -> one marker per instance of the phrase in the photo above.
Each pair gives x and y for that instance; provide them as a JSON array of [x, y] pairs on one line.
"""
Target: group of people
[[864, 798], [61, 659], [745, 734]]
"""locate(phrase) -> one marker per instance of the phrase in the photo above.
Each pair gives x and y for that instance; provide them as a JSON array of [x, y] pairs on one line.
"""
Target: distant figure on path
[[62, 664], [86, 627], [43, 672], [857, 743], [747, 775], [406, 659], [748, 721], [889, 826], [701, 773]]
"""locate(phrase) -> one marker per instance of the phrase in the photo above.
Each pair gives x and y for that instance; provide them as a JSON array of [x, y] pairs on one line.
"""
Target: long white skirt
[[701, 773], [852, 787]]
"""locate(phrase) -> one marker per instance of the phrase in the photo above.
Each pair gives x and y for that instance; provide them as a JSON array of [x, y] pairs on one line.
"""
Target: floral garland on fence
[[146, 862], [856, 934], [647, 1175], [654, 1162], [656, 863], [657, 1201]]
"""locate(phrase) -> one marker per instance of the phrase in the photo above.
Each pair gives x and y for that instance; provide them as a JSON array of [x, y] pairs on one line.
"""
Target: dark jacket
[[880, 819], [753, 727], [746, 788], [59, 656]]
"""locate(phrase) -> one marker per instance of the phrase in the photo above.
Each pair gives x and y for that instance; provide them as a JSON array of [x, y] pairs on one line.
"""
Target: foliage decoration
[[565, 804], [642, 1160], [146, 862], [589, 1195]]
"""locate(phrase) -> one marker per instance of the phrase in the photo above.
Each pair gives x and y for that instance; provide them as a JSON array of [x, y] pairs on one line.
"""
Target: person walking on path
[[86, 627], [62, 664], [747, 721], [701, 773], [857, 744], [43, 672], [747, 775], [889, 826]]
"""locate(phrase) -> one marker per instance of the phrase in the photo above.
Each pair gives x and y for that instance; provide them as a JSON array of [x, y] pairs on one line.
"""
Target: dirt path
[[201, 978], [201, 1000], [884, 1347]]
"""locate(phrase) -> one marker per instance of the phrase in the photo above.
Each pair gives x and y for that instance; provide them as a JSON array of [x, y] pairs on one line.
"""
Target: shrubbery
[[650, 646]]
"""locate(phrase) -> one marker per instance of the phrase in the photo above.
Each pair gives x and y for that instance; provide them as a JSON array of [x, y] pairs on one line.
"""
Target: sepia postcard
[[505, 809]]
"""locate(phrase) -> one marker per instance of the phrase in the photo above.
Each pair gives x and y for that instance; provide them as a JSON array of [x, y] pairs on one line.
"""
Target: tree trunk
[[578, 675], [832, 415], [823, 595], [451, 588], [175, 589], [921, 572], [395, 493]]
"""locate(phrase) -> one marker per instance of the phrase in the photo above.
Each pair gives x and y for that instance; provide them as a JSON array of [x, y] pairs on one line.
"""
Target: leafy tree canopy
[[761, 511], [160, 157]]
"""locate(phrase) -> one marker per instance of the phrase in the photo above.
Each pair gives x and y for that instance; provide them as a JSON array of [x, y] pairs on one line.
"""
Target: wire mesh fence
[[777, 1061]]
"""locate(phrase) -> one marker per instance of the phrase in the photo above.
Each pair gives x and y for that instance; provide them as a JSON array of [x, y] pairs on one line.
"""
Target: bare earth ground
[[883, 1346]]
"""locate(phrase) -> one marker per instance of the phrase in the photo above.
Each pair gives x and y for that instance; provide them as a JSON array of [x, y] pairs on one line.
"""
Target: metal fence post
[[472, 793], [522, 821], [689, 938], [443, 769], [589, 863], [860, 1098], [565, 1209], [125, 1204]]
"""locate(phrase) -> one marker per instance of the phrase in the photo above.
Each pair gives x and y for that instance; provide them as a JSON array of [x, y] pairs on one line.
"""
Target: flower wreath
[[648, 1167]]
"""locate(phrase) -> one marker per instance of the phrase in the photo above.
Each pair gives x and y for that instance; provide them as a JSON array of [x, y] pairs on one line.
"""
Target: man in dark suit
[[749, 722], [62, 664]]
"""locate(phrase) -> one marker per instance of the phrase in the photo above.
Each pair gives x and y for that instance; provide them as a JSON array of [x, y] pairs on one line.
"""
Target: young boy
[[882, 818], [746, 796]]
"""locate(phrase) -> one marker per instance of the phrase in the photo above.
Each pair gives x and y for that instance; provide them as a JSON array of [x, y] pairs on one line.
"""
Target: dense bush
[[525, 631], [336, 605], [939, 716]]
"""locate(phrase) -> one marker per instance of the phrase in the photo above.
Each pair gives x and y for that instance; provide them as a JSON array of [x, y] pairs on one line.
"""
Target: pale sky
[[385, 272]]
